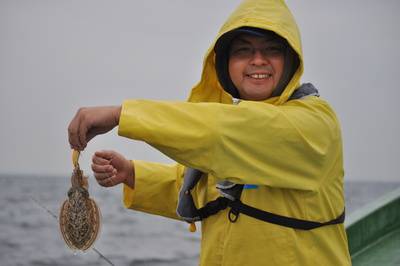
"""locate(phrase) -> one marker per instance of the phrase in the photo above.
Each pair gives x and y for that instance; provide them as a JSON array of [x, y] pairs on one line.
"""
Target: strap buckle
[[233, 215]]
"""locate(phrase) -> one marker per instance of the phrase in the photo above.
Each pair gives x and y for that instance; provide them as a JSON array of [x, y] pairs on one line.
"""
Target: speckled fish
[[79, 215]]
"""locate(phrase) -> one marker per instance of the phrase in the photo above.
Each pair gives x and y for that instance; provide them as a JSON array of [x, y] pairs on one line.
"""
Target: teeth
[[260, 76]]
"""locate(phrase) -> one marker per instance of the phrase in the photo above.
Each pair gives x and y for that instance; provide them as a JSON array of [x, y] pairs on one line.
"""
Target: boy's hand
[[91, 121], [111, 168]]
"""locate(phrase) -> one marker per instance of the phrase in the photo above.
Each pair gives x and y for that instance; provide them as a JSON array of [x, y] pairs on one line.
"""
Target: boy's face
[[255, 66]]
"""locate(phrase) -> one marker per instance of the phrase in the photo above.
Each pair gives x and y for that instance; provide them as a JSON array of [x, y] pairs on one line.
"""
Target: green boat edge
[[373, 232]]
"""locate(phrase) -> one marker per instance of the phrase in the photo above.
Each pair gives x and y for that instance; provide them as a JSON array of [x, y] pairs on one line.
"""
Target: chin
[[256, 96]]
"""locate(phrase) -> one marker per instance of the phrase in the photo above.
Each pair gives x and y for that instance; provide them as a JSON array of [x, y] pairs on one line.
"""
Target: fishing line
[[55, 217]]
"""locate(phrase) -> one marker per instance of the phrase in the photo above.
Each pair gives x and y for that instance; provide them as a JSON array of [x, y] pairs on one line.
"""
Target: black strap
[[213, 207], [238, 207]]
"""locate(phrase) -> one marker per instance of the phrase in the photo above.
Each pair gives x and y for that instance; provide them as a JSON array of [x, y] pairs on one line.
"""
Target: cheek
[[235, 71], [278, 65]]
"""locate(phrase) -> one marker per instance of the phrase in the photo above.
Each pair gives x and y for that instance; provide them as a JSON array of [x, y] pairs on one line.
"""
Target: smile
[[260, 76]]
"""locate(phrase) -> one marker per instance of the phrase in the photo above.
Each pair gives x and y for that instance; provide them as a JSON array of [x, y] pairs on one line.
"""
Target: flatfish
[[80, 216]]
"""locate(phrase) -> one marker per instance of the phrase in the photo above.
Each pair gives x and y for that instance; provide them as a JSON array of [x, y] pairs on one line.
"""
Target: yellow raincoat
[[291, 149]]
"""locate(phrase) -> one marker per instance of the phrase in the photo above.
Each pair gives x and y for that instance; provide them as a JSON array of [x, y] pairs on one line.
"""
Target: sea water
[[29, 234]]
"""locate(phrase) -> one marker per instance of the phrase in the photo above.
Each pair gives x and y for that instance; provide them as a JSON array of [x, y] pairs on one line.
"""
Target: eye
[[273, 50], [240, 50]]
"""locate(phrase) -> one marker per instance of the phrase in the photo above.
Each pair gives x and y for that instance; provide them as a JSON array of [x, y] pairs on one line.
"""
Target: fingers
[[82, 135], [104, 176], [75, 130], [73, 133], [108, 182], [105, 154], [102, 169], [104, 172], [100, 160]]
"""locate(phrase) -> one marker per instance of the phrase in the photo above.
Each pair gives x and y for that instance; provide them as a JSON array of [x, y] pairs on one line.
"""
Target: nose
[[258, 58]]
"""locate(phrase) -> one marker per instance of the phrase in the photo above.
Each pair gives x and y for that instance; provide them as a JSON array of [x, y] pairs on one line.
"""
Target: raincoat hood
[[268, 15]]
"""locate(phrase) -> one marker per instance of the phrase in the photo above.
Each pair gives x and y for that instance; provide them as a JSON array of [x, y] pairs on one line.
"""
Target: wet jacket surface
[[291, 150]]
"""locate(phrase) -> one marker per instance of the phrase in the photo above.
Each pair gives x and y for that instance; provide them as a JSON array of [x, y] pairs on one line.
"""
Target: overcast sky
[[56, 56]]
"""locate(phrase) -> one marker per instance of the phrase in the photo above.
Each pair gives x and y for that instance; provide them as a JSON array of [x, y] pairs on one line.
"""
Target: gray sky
[[56, 56]]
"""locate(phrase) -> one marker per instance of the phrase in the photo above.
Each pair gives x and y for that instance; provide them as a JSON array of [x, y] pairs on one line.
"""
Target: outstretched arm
[[296, 145]]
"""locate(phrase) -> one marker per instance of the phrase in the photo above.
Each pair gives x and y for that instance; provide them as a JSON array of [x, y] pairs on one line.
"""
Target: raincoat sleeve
[[294, 145], [156, 188]]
